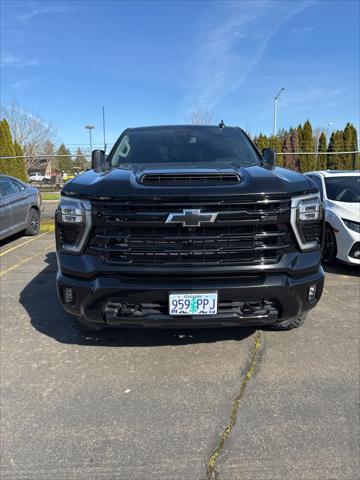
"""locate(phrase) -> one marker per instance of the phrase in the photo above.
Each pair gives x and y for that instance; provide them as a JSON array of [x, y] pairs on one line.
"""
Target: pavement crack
[[211, 466]]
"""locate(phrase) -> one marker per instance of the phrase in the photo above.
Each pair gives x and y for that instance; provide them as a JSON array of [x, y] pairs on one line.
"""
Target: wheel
[[290, 324], [33, 225], [330, 247]]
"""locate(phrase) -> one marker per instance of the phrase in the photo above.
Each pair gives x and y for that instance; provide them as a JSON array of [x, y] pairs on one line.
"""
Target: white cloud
[[25, 82], [39, 9], [302, 30], [302, 100], [232, 44], [10, 60]]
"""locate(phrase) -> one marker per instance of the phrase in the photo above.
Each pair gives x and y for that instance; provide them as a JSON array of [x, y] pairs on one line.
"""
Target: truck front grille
[[246, 232]]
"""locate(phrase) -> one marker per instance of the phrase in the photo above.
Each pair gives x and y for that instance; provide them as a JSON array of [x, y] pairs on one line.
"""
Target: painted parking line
[[25, 260], [23, 243]]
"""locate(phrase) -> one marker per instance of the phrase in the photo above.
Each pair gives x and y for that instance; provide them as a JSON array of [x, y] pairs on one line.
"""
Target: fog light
[[69, 295], [312, 293], [355, 251]]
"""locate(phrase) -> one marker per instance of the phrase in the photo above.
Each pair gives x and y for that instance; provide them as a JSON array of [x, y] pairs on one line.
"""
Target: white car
[[340, 191], [36, 177]]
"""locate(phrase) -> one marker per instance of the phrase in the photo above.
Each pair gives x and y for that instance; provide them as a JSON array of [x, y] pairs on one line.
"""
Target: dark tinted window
[[8, 186], [343, 189], [185, 144]]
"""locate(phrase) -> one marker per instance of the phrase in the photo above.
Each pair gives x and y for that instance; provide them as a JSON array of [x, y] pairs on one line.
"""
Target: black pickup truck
[[189, 226]]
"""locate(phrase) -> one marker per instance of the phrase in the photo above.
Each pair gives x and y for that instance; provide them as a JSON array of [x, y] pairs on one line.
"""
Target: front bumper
[[346, 239], [115, 300]]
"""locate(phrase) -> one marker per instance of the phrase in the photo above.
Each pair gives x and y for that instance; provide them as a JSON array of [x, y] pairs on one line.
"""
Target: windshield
[[343, 189], [184, 144]]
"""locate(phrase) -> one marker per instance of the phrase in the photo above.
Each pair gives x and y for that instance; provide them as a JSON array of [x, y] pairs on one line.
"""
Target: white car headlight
[[355, 226], [73, 223], [307, 220]]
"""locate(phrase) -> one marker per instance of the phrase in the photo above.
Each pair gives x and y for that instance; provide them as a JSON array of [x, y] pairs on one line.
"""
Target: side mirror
[[269, 158], [98, 160]]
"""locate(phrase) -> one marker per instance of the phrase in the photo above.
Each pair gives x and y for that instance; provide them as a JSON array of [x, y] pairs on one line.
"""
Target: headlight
[[352, 225], [73, 223], [307, 220]]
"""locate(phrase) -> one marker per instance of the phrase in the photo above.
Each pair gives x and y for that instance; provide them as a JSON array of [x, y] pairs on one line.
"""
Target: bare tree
[[201, 115], [29, 130]]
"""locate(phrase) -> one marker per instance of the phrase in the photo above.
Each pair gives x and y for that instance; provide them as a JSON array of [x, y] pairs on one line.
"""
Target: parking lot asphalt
[[161, 404]]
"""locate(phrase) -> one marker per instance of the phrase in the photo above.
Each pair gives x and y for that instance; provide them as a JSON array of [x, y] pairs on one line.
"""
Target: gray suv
[[20, 207]]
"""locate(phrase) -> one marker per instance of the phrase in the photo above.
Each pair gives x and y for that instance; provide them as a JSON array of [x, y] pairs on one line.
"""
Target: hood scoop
[[189, 179]]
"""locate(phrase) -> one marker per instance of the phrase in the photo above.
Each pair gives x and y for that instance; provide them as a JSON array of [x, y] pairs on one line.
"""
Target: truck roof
[[155, 127]]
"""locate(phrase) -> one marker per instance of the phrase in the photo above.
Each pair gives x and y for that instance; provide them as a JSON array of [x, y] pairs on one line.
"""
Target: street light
[[275, 108], [90, 127]]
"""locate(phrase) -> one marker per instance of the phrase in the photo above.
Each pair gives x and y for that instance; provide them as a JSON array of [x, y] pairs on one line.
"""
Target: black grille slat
[[194, 248], [247, 232]]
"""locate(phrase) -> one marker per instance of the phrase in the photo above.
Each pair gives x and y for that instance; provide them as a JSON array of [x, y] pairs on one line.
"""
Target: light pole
[[275, 108], [90, 127]]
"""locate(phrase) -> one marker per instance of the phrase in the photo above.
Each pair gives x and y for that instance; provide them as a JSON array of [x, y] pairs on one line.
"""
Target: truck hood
[[124, 182]]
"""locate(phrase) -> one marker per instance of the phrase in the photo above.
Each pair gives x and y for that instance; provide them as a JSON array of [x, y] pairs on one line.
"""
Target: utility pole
[[90, 127], [275, 109]]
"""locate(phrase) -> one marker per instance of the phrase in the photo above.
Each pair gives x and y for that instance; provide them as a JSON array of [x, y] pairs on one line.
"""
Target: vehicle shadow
[[39, 298], [339, 268], [11, 239]]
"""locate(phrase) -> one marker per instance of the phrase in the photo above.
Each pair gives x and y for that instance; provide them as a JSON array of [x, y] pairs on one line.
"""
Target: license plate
[[201, 303]]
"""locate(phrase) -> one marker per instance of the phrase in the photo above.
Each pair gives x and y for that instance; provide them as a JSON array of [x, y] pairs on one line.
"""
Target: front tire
[[290, 324], [33, 223], [330, 248]]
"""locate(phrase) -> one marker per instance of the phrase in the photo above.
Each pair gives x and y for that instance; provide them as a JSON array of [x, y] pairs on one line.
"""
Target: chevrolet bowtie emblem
[[192, 218]]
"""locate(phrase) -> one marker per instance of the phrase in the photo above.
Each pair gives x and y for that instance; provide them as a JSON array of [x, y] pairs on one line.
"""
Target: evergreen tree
[[4, 150], [339, 147], [6, 144], [295, 147], [20, 162], [10, 166], [18, 149], [336, 144], [287, 150], [307, 161], [331, 160], [275, 143], [64, 162], [355, 148], [350, 144], [322, 147], [80, 162], [300, 136]]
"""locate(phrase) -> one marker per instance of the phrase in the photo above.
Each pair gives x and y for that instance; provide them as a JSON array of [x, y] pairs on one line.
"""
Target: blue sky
[[152, 62]]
